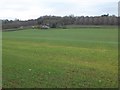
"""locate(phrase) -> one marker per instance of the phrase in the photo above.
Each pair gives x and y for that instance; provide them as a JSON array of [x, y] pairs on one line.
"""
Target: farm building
[[44, 27]]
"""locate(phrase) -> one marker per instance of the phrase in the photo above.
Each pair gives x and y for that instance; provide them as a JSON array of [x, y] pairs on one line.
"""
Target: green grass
[[72, 58]]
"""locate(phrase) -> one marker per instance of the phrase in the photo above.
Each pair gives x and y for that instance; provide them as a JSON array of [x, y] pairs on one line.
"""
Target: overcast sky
[[32, 9]]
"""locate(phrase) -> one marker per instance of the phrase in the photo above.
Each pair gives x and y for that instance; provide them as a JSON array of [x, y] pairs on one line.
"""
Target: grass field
[[64, 58]]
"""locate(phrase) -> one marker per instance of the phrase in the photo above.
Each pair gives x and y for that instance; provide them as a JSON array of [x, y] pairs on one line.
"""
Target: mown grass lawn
[[72, 58]]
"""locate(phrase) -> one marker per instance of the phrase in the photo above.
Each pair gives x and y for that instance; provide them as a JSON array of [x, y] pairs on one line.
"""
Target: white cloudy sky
[[32, 9]]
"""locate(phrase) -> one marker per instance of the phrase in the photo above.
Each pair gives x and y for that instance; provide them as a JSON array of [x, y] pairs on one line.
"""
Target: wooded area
[[58, 21]]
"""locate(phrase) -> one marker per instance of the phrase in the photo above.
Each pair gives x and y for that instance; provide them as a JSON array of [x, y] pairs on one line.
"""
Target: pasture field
[[60, 58]]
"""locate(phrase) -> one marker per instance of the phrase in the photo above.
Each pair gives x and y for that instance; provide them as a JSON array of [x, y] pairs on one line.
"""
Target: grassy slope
[[85, 57]]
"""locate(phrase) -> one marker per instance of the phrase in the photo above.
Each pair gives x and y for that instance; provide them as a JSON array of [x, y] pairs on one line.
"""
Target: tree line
[[58, 21]]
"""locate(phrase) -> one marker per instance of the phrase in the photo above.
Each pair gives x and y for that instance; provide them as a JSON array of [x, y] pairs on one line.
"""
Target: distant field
[[77, 58]]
